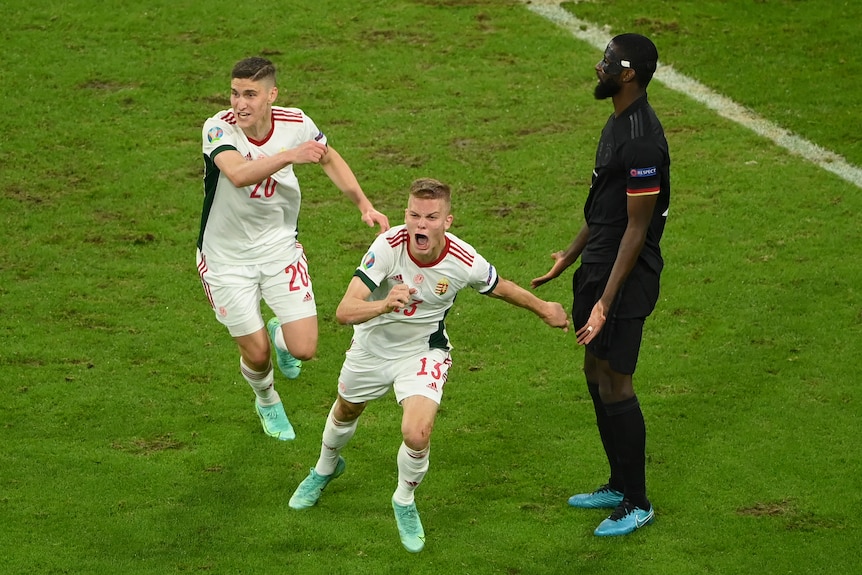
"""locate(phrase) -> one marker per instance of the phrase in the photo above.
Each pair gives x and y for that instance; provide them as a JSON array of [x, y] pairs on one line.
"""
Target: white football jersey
[[419, 325], [255, 224]]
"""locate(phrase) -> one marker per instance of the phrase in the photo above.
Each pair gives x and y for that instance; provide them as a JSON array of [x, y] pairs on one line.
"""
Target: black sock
[[603, 422], [629, 432]]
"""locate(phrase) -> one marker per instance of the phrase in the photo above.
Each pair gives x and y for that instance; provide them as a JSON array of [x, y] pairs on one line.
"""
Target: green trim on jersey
[[438, 340], [365, 279], [493, 287], [211, 176]]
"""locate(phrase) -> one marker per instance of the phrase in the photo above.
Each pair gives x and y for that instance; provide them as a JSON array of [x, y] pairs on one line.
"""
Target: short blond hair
[[431, 189]]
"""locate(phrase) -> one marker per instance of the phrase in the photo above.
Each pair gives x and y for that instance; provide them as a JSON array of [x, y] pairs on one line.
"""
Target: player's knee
[[615, 389], [345, 412], [304, 351], [417, 437], [256, 359], [301, 346]]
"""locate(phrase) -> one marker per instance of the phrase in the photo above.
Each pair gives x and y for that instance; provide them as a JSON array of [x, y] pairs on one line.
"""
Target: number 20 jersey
[[254, 224], [419, 325]]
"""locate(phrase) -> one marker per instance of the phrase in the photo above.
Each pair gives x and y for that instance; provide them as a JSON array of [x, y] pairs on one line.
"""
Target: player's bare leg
[[293, 342], [417, 423]]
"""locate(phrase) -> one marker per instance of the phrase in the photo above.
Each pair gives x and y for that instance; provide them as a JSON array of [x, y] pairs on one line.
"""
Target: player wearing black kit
[[617, 285]]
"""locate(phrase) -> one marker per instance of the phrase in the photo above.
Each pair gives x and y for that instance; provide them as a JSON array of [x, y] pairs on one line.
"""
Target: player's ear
[[448, 221], [273, 94]]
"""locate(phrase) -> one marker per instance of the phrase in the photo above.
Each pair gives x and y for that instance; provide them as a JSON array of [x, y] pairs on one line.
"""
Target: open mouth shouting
[[421, 241]]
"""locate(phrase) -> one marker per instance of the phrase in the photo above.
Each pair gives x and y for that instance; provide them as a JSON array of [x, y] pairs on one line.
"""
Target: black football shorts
[[620, 339]]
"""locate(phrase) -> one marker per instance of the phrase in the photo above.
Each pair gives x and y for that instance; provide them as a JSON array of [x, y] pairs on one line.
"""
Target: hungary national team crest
[[442, 286]]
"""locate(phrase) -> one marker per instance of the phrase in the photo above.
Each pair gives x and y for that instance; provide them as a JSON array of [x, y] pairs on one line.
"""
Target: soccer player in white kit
[[397, 301], [247, 249]]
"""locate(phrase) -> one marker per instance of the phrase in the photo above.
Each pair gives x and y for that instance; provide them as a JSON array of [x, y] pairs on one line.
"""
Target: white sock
[[279, 340], [262, 382], [336, 434], [412, 467]]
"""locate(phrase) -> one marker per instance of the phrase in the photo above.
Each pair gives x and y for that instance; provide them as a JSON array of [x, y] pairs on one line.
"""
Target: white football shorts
[[365, 376], [235, 292]]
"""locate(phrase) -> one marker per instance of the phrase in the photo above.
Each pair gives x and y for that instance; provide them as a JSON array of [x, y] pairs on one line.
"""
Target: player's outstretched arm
[[563, 259], [342, 176], [552, 313]]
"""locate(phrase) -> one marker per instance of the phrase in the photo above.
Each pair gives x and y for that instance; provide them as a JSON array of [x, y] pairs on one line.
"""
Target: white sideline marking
[[724, 106]]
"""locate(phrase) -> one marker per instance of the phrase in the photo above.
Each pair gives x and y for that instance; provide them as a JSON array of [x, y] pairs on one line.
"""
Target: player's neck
[[625, 98], [260, 130], [426, 257]]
